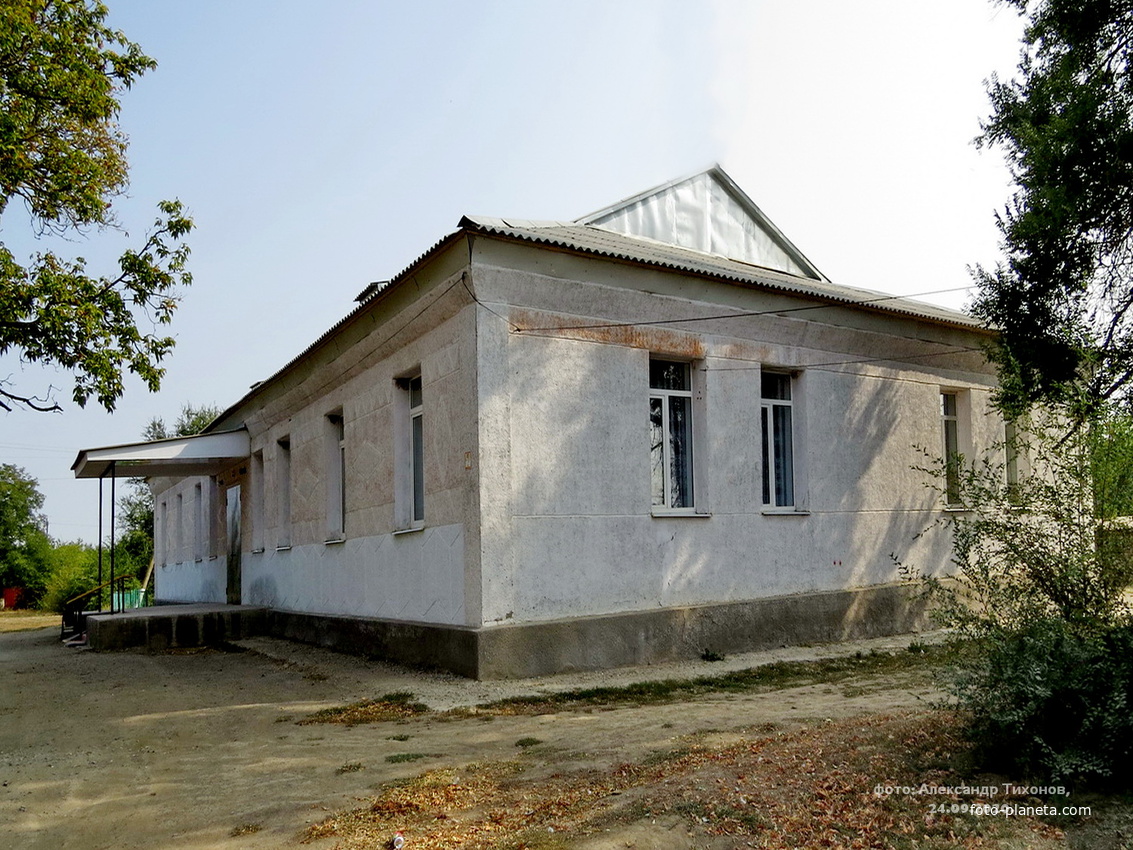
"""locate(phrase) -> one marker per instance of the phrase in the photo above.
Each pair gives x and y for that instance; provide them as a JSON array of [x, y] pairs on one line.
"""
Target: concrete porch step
[[171, 626]]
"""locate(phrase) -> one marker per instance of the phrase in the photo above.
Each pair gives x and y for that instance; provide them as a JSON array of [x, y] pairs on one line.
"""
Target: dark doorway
[[232, 514]]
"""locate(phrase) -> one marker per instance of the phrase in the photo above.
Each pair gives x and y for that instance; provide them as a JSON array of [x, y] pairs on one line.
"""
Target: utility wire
[[738, 315], [514, 327], [959, 350], [954, 350]]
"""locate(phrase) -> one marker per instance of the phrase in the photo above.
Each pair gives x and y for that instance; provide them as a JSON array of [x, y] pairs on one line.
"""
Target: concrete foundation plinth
[[535, 649]]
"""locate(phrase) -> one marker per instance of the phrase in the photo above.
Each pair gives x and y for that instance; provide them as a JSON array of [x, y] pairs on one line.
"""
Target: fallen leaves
[[808, 787], [395, 706]]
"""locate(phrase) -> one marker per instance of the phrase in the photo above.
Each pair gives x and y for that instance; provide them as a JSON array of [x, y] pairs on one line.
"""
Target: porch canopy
[[204, 454]]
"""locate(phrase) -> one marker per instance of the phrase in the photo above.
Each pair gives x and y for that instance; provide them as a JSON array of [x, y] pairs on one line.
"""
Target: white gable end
[[709, 213]]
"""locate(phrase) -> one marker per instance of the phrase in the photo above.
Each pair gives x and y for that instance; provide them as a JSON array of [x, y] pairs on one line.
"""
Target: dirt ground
[[201, 749]]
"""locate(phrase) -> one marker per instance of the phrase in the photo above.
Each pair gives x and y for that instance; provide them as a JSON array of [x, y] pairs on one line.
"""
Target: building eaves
[[597, 241]]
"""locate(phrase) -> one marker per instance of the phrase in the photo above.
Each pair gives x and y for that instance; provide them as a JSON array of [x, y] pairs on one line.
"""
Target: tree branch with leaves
[[63, 155], [1062, 298]]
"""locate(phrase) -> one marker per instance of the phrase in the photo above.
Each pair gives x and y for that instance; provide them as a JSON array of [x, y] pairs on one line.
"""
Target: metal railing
[[73, 608]]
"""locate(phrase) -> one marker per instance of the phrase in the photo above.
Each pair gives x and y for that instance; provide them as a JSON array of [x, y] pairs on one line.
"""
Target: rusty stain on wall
[[662, 340]]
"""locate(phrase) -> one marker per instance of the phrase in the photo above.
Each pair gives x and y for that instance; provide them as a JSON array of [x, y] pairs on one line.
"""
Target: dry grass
[[809, 787], [768, 677], [21, 620], [395, 706], [918, 660]]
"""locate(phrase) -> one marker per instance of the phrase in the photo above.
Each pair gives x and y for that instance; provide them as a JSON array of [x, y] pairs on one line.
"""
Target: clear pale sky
[[323, 146]]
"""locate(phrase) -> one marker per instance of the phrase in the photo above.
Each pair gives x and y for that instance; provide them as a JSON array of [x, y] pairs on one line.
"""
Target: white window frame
[[951, 449], [663, 398], [1011, 453], [178, 528], [198, 523], [772, 498], [283, 492], [409, 435], [215, 516], [162, 533], [335, 477], [258, 502]]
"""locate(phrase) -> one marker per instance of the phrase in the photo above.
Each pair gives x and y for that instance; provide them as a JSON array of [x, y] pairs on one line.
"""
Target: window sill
[[334, 541], [413, 529], [663, 514], [784, 512], [286, 548], [258, 551], [957, 509]]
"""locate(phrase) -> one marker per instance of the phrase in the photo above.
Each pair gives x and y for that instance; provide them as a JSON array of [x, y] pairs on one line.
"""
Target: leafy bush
[[73, 570], [1040, 573], [1053, 704], [1041, 546]]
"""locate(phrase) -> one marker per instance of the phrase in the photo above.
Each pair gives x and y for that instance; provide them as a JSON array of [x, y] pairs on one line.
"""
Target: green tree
[[73, 570], [24, 545], [63, 155], [136, 507], [1033, 548], [193, 419], [1111, 463], [1062, 297]]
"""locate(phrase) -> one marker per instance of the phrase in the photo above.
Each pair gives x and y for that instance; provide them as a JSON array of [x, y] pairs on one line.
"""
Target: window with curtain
[[670, 434], [777, 440]]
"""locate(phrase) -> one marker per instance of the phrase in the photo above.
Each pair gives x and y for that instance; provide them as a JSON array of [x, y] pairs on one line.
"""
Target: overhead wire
[[514, 327], [743, 314], [958, 350], [738, 314]]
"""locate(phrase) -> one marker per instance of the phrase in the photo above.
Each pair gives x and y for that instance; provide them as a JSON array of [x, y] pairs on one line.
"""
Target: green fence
[[135, 598]]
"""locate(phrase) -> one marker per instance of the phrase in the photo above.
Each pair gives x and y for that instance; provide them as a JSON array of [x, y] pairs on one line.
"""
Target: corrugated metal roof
[[590, 239], [598, 241]]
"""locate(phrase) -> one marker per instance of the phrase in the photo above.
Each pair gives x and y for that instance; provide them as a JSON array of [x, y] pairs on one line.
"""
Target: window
[[1011, 450], [258, 502], [411, 485], [950, 431], [777, 431], [1011, 446], [178, 529], [417, 454], [162, 533], [670, 435], [336, 477], [213, 517], [198, 524], [283, 493]]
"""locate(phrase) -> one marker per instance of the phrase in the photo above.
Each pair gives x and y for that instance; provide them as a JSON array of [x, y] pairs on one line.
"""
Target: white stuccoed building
[[646, 434]]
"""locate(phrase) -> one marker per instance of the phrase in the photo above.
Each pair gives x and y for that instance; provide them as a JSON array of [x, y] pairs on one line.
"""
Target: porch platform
[[170, 626], [539, 648]]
